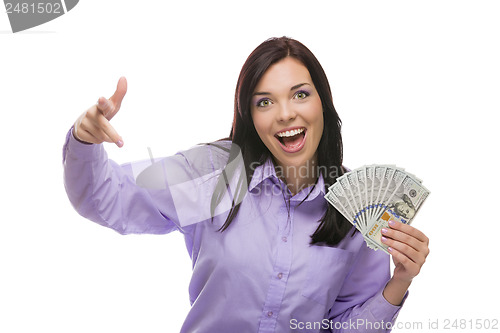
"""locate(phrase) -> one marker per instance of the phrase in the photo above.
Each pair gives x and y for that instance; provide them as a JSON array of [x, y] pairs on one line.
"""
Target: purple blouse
[[259, 275]]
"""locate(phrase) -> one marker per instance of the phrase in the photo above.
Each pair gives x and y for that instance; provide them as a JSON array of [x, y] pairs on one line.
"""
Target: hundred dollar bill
[[387, 187], [370, 183], [345, 185], [402, 206], [335, 202], [345, 200], [355, 193], [394, 179], [362, 188], [378, 183], [370, 196]]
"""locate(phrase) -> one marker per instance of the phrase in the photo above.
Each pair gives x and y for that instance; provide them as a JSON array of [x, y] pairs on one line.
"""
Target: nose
[[286, 112]]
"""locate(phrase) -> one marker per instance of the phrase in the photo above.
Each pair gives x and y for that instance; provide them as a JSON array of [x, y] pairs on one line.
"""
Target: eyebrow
[[292, 88]]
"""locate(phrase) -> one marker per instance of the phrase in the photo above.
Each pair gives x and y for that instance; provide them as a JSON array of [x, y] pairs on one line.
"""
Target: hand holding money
[[371, 196], [381, 201], [409, 248]]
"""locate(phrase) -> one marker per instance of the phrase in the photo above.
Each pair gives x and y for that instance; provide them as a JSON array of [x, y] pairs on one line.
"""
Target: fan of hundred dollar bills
[[371, 196]]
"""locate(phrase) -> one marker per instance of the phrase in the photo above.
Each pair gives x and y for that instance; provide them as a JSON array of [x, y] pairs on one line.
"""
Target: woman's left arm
[[409, 248]]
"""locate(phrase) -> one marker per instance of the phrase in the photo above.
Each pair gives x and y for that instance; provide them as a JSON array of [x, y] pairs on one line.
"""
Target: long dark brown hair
[[333, 226]]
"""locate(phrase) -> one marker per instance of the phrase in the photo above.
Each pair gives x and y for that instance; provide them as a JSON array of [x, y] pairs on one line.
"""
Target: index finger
[[109, 130], [408, 229]]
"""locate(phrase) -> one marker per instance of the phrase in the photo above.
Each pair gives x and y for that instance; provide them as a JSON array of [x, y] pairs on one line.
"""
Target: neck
[[297, 178]]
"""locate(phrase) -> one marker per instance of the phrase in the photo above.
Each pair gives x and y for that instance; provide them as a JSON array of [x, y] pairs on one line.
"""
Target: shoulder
[[213, 155]]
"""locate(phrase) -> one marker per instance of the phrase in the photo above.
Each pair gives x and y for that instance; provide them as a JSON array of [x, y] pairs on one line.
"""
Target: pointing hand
[[93, 125]]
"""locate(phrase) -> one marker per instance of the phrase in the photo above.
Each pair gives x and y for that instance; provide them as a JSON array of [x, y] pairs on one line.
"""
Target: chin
[[296, 161]]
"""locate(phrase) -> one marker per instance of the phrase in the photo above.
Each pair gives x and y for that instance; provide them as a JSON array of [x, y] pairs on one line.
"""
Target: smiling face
[[287, 113]]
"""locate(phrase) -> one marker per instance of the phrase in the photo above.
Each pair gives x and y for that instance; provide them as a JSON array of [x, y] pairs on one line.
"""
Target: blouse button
[[280, 276], [284, 239], [270, 314]]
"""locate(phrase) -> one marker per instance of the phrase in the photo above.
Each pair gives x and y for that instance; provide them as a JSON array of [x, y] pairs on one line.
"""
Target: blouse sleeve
[[154, 197], [360, 305]]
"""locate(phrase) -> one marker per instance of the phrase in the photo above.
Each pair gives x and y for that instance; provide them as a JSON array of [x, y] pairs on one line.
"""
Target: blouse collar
[[267, 171]]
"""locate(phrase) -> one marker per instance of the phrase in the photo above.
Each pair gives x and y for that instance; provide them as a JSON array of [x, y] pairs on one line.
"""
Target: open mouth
[[292, 140]]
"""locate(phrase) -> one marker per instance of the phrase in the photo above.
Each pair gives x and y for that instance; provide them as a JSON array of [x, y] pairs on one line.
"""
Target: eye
[[263, 102], [301, 94]]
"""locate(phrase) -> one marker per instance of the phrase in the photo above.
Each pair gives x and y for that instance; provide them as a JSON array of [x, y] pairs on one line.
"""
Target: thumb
[[121, 90], [109, 107]]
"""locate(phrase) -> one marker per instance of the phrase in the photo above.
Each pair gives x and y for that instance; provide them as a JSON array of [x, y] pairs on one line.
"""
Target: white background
[[415, 83]]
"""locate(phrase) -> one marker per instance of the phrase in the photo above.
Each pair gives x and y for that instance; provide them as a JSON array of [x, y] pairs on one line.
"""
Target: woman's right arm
[[102, 190]]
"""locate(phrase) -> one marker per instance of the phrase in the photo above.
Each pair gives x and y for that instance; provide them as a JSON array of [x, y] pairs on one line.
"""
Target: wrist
[[401, 281], [395, 290], [73, 129]]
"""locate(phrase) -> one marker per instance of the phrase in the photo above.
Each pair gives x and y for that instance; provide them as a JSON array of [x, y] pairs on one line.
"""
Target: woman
[[269, 254]]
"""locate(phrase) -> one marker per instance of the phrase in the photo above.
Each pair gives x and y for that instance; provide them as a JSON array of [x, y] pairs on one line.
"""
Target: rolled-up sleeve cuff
[[84, 151], [381, 309]]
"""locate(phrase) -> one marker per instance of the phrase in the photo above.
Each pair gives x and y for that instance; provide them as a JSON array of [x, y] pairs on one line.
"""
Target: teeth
[[290, 133]]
